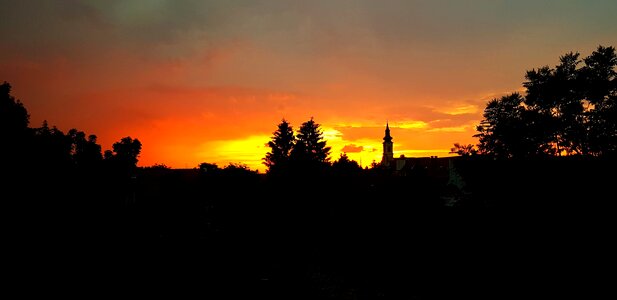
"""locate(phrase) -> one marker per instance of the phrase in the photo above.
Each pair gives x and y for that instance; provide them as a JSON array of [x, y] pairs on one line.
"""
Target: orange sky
[[208, 81]]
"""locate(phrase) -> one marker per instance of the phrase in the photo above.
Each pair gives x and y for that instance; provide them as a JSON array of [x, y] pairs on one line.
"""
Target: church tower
[[388, 154]]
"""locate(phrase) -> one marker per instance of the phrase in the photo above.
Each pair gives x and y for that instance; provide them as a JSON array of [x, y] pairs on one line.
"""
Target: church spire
[[388, 154], [387, 137]]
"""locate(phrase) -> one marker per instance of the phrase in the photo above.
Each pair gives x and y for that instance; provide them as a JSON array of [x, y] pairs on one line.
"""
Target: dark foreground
[[516, 230]]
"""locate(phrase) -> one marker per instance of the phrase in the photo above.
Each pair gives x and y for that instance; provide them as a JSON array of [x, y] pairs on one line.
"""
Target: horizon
[[210, 81]]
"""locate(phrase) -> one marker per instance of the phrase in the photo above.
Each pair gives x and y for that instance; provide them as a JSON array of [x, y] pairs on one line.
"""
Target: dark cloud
[[352, 148], [354, 32]]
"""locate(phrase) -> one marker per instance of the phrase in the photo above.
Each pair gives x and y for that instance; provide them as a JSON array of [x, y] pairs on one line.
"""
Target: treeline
[[61, 188], [570, 109], [30, 150]]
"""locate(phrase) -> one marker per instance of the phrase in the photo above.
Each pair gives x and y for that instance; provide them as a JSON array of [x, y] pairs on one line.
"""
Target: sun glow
[[364, 151], [249, 151]]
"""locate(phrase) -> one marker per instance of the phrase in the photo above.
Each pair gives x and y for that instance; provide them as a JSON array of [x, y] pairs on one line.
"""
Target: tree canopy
[[345, 166], [49, 148], [566, 110], [125, 154], [14, 117], [310, 147], [283, 140]]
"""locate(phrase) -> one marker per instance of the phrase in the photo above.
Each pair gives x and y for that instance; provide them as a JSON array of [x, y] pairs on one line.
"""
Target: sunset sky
[[208, 81]]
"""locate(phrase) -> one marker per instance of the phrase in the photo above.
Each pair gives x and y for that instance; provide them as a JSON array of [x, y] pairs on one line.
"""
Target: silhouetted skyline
[[206, 81], [318, 227]]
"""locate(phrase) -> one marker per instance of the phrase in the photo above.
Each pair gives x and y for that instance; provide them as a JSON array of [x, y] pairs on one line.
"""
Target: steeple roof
[[387, 137]]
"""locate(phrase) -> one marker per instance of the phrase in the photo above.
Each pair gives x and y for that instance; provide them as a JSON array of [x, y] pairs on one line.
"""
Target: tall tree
[[345, 166], [125, 154], [556, 96], [86, 153], [567, 110], [600, 80], [310, 151], [509, 130], [281, 145], [14, 118], [14, 131], [52, 148]]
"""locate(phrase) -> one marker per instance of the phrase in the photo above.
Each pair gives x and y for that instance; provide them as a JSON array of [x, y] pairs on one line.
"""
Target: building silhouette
[[431, 166], [388, 145]]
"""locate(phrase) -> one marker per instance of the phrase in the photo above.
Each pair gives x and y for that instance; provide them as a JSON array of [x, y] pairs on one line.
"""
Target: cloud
[[352, 148], [460, 110], [410, 124], [331, 134], [461, 128]]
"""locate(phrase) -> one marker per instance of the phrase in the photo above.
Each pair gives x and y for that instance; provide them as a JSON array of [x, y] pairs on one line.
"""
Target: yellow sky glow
[[251, 150]]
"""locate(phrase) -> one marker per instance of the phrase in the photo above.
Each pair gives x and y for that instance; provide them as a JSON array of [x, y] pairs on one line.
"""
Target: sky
[[209, 81]]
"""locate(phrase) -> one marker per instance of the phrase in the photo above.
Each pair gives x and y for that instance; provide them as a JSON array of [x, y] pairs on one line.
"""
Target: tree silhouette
[[238, 170], [310, 152], [463, 150], [281, 145], [555, 96], [209, 168], [14, 131], [566, 110], [508, 130], [52, 148], [86, 153], [600, 79], [125, 154], [108, 155], [92, 151], [14, 118], [158, 166], [346, 166], [128, 150]]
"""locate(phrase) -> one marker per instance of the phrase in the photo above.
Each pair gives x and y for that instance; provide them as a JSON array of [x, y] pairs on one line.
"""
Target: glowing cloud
[[352, 148], [409, 124], [460, 110], [461, 128], [331, 134]]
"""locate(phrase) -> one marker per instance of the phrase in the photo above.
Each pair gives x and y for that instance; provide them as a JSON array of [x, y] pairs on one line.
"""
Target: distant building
[[431, 166], [388, 145], [438, 170]]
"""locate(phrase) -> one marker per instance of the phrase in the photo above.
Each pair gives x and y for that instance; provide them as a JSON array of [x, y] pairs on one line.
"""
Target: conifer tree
[[281, 145]]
